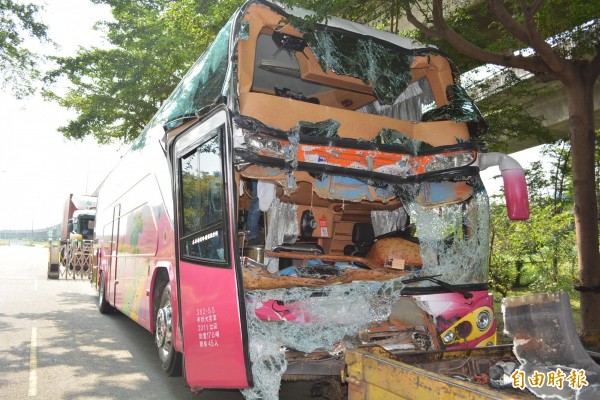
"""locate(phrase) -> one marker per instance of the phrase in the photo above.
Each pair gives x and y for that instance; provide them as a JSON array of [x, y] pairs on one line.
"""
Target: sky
[[38, 166]]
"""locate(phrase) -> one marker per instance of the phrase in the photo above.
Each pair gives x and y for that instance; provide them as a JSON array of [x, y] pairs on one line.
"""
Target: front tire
[[170, 359], [103, 305]]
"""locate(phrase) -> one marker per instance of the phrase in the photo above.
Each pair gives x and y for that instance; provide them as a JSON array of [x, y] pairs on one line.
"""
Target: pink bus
[[305, 189]]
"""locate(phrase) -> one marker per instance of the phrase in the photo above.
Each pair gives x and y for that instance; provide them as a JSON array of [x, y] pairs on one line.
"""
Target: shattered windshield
[[387, 68], [451, 220], [204, 82]]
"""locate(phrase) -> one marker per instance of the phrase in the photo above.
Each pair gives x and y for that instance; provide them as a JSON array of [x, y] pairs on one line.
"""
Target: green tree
[[545, 244], [18, 64], [116, 91]]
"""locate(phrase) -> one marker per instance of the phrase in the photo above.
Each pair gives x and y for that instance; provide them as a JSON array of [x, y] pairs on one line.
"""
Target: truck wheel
[[170, 359], [103, 306]]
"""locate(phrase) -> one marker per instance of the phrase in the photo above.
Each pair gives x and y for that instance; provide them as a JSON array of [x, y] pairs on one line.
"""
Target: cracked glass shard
[[461, 109], [244, 32], [327, 128], [386, 67], [204, 82], [395, 138], [546, 344]]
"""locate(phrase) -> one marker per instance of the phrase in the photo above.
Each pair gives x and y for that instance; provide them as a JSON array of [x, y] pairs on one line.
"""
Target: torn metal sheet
[[554, 364]]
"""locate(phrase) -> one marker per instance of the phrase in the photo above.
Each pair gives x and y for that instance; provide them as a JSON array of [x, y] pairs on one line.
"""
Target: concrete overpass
[[550, 106]]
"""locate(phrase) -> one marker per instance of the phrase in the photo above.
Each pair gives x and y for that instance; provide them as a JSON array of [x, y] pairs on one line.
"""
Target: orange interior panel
[[275, 111]]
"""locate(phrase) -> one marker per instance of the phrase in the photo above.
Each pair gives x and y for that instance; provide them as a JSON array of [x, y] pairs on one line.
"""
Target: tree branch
[[418, 24], [538, 43], [535, 6], [499, 11], [442, 30]]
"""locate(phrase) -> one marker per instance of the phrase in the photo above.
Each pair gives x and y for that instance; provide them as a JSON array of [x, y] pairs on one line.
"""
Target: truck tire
[[170, 359], [103, 305]]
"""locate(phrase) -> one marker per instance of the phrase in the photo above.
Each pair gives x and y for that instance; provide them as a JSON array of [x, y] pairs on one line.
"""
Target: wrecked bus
[[304, 190]]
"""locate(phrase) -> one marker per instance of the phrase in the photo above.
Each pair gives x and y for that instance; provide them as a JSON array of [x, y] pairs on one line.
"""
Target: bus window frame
[[209, 128]]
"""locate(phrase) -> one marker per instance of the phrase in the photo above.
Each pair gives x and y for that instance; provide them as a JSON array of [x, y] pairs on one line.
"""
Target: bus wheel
[[170, 359], [103, 306]]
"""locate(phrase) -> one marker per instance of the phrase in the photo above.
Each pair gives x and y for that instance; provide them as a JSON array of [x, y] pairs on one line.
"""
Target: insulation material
[[454, 238], [388, 221], [410, 105], [350, 189], [282, 228], [315, 319], [385, 67]]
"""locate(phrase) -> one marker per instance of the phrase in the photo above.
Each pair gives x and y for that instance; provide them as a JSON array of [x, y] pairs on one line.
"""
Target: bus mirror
[[515, 194], [515, 185]]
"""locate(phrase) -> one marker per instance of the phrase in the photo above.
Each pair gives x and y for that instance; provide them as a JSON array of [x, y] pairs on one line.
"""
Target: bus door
[[114, 254], [210, 286]]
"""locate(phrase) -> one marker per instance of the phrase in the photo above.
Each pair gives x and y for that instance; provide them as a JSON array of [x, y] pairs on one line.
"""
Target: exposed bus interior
[[328, 145]]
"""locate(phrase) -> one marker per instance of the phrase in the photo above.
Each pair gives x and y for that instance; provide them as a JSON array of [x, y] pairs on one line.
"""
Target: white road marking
[[35, 285], [33, 364]]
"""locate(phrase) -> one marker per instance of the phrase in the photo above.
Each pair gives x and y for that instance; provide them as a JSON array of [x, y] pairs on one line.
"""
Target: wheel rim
[[164, 329]]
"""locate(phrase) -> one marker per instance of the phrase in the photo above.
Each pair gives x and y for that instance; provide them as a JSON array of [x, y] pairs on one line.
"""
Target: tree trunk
[[579, 91]]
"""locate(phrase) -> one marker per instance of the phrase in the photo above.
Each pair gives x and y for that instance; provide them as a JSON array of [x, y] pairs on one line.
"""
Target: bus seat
[[363, 238]]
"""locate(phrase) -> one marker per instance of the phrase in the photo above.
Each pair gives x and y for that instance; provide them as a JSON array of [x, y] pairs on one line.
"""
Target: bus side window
[[201, 200]]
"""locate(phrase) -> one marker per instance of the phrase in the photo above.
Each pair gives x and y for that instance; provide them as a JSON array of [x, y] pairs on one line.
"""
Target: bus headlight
[[484, 319], [448, 337]]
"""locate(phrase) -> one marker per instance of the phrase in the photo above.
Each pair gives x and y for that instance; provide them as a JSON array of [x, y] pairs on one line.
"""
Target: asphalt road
[[54, 344]]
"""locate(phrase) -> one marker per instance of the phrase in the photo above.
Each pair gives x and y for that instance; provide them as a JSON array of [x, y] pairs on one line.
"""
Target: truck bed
[[376, 374]]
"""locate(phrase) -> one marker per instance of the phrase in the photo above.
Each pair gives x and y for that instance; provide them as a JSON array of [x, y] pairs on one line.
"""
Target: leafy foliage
[[539, 253], [116, 91], [18, 65]]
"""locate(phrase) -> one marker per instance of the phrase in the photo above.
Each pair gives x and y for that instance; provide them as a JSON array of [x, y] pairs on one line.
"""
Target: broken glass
[[395, 138], [244, 32], [203, 84], [461, 109], [454, 238], [548, 347], [327, 128], [316, 319], [385, 66]]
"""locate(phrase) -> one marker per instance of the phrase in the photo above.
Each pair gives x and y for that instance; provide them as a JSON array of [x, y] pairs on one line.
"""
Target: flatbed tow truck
[[546, 360]]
